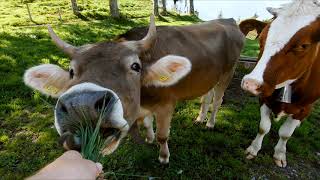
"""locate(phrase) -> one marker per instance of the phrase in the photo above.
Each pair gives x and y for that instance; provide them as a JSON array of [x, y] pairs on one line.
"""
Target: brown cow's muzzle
[[84, 104]]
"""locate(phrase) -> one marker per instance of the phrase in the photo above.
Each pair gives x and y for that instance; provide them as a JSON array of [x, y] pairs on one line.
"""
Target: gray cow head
[[100, 73]]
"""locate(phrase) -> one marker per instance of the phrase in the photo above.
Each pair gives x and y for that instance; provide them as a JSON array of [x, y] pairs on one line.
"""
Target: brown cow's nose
[[80, 105], [251, 85]]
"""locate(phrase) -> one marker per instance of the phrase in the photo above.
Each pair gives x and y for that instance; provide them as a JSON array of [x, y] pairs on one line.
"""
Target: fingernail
[[99, 167]]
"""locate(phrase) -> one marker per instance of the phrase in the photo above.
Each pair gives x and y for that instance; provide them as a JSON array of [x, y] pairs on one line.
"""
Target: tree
[[191, 7], [164, 6], [114, 10], [155, 7], [255, 16], [75, 8], [220, 16]]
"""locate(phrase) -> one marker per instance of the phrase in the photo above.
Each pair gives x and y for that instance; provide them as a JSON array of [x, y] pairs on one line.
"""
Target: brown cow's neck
[[306, 90], [307, 87]]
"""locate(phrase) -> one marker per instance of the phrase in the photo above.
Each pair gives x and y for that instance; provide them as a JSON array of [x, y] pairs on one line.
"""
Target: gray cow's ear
[[166, 71]]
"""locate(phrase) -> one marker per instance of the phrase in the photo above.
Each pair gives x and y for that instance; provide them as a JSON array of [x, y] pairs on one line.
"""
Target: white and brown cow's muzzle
[[85, 103]]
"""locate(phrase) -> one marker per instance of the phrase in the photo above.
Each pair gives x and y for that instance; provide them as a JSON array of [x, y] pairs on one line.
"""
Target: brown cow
[[214, 96], [147, 76], [289, 58]]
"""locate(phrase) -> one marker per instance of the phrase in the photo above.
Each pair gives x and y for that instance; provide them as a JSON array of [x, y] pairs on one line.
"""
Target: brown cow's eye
[[136, 67], [71, 73]]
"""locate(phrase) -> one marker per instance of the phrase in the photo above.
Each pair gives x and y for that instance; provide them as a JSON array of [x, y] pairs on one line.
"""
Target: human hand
[[70, 165]]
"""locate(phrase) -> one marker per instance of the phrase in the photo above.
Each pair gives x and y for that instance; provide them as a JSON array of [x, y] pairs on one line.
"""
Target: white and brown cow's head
[[100, 73], [288, 47]]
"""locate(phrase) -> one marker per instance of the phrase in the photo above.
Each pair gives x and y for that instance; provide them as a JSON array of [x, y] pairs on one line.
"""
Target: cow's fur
[[178, 63], [294, 63]]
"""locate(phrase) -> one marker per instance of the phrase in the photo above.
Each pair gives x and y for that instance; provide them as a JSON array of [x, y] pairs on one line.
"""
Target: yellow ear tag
[[51, 89], [163, 78]]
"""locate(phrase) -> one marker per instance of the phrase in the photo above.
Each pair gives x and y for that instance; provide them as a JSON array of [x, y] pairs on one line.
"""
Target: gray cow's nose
[[80, 104]]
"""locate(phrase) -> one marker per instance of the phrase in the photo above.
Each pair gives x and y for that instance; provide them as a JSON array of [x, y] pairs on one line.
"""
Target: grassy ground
[[28, 140]]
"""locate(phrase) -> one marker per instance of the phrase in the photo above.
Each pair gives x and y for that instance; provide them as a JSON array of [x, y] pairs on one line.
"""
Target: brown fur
[[295, 61], [213, 49]]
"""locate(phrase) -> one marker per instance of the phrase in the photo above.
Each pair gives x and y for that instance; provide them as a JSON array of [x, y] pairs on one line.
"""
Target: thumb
[[99, 168]]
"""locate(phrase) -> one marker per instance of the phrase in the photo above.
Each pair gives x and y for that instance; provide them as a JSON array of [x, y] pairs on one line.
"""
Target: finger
[[71, 155]]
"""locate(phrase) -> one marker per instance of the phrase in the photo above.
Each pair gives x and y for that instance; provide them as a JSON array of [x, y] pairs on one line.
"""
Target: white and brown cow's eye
[[302, 47], [136, 67], [71, 73]]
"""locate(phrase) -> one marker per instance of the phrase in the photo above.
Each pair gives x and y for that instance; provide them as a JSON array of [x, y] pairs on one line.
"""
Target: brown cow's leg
[[163, 119], [205, 103], [285, 132], [148, 124], [264, 128], [219, 90], [217, 101]]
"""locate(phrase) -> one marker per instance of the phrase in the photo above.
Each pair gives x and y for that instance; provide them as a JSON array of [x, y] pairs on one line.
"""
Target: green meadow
[[28, 140]]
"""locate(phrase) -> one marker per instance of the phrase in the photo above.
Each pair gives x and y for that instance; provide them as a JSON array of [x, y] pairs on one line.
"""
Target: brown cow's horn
[[150, 38], [65, 47]]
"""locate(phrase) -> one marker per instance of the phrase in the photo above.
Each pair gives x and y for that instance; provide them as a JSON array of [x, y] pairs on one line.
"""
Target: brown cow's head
[[102, 73], [288, 48]]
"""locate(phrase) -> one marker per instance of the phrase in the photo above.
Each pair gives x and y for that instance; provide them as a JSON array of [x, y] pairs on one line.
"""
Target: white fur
[[279, 116], [265, 125], [291, 18], [116, 116], [287, 94], [49, 79], [285, 132], [148, 124], [161, 69], [205, 103], [286, 83]]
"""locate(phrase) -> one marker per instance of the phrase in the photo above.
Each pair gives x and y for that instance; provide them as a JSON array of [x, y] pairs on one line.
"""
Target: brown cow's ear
[[49, 79], [166, 71]]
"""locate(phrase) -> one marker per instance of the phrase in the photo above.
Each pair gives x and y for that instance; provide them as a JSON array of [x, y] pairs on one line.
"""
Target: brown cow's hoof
[[149, 140], [281, 163], [199, 121], [210, 125]]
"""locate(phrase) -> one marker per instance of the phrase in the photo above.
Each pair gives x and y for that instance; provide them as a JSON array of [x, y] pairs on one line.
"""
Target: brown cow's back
[[213, 48]]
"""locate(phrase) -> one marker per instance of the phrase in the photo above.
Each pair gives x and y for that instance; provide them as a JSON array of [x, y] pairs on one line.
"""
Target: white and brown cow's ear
[[166, 71], [49, 79]]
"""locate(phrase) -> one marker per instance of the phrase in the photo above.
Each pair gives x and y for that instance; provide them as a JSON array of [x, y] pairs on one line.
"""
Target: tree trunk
[[75, 8], [155, 7], [164, 6], [113, 4], [191, 7]]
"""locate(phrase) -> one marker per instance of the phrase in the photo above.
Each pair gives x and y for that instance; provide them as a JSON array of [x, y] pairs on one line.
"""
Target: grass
[[28, 140]]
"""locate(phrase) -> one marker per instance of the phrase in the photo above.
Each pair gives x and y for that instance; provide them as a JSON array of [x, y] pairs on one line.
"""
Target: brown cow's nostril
[[102, 103], [63, 109]]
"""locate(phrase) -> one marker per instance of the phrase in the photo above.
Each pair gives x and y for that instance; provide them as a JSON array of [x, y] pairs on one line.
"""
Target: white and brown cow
[[148, 75], [289, 58]]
